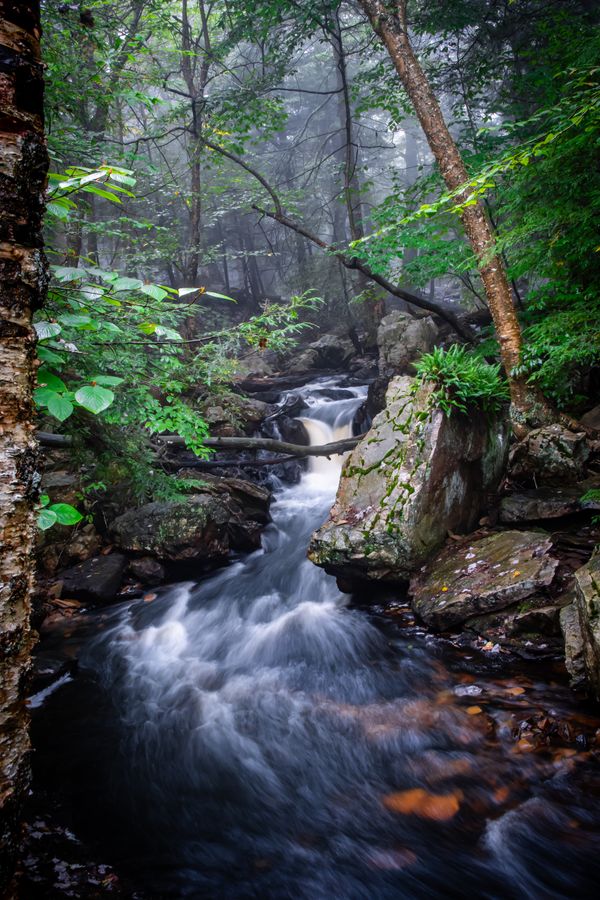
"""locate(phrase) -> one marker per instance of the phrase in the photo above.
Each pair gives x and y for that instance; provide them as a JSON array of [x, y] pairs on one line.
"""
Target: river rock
[[416, 475], [591, 419], [481, 577], [147, 570], [97, 580], [552, 453], [402, 340], [545, 503], [225, 514], [581, 627]]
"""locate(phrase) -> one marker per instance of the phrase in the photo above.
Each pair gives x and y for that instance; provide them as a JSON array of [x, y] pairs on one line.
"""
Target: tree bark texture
[[389, 21], [23, 281]]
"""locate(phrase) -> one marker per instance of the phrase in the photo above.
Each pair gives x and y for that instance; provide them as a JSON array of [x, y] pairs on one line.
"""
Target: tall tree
[[389, 21], [23, 166]]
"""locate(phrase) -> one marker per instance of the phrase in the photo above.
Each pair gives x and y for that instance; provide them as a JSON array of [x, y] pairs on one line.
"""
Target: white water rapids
[[237, 737]]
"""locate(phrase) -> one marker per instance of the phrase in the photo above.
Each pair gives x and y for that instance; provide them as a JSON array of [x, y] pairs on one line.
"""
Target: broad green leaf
[[170, 333], [94, 398], [66, 514], [60, 407], [92, 189], [148, 327], [46, 519], [49, 356], [44, 499], [47, 330], [68, 273], [47, 380], [43, 395], [127, 284], [154, 291], [76, 320], [183, 292], [110, 380]]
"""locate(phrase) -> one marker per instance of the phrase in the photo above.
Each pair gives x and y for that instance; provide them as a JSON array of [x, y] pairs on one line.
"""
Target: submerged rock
[[581, 627], [416, 475], [402, 340], [98, 579], [481, 577]]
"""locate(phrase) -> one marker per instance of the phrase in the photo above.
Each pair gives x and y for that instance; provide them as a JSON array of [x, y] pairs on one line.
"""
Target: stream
[[253, 735]]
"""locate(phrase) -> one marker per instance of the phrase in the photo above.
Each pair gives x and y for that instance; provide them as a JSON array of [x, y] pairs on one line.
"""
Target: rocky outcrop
[[581, 627], [226, 514], [551, 454], [481, 577], [97, 580], [545, 503], [329, 352], [416, 475], [402, 340]]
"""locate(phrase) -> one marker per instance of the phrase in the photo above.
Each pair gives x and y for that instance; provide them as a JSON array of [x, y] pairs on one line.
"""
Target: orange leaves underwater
[[418, 802]]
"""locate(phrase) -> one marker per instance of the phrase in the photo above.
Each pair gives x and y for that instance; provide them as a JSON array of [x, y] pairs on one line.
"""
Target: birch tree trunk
[[23, 279], [389, 21]]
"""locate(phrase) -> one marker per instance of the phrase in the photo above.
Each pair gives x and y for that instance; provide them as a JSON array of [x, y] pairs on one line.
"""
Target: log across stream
[[253, 735]]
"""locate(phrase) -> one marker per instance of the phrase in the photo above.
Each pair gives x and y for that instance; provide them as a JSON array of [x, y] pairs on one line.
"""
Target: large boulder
[[552, 454], [481, 577], [581, 627], [416, 475], [226, 514], [330, 351], [402, 340]]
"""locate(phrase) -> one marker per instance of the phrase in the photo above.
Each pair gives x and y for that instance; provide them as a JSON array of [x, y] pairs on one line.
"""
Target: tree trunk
[[23, 281], [389, 22]]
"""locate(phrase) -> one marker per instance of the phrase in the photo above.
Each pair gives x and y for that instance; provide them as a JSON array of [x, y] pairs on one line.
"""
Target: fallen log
[[291, 451]]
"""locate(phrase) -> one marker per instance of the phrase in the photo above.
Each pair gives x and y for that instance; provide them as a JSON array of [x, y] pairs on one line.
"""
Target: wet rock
[[481, 577], [581, 626], [573, 637], [545, 503], [413, 477], [225, 514], [147, 570], [329, 352], [402, 340], [591, 419], [194, 528], [97, 580], [237, 413], [552, 453]]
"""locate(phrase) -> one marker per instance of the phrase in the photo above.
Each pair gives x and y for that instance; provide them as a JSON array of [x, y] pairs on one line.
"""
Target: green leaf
[[60, 407], [43, 395], [94, 398], [68, 273], [47, 380], [44, 499], [46, 519], [154, 291], [127, 284], [110, 380], [148, 327], [170, 333], [183, 292], [218, 296], [65, 513], [77, 320], [49, 356], [46, 330]]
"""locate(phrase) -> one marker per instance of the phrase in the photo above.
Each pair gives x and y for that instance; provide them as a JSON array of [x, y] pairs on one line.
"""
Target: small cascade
[[250, 735]]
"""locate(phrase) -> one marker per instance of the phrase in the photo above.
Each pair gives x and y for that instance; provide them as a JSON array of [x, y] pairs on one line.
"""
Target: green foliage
[[56, 514], [463, 380]]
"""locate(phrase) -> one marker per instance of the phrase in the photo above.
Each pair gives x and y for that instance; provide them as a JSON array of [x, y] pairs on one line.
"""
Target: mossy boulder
[[482, 576], [415, 476], [581, 627]]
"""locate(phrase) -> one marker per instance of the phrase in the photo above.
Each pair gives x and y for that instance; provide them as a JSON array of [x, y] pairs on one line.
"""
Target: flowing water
[[251, 736]]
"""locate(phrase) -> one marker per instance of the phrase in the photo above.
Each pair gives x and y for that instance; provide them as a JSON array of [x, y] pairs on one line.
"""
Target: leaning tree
[[23, 167]]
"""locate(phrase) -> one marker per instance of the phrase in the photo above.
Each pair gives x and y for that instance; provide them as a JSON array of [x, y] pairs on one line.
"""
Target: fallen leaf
[[501, 795], [439, 807], [474, 710], [149, 597], [515, 691]]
